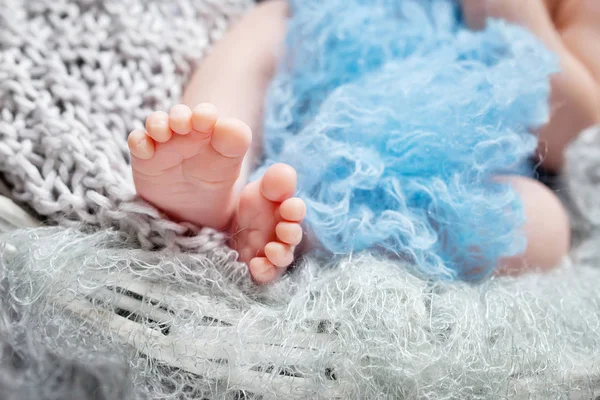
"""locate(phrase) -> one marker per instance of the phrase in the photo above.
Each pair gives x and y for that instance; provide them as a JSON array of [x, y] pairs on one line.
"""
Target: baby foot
[[267, 223], [187, 163]]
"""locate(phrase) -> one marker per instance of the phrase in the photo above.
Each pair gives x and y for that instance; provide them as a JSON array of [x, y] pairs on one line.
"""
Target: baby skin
[[189, 163], [193, 162]]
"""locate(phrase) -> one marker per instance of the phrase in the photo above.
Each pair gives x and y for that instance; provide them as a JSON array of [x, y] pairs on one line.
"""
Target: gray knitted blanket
[[113, 301], [76, 77]]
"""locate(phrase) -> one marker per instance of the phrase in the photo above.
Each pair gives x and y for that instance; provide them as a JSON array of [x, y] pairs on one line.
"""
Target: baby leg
[[193, 163], [571, 29], [547, 228]]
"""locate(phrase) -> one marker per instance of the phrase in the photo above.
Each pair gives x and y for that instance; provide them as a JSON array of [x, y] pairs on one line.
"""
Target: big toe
[[231, 137], [278, 183]]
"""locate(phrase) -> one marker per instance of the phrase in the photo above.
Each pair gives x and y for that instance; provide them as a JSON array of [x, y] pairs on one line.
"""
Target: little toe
[[263, 271], [289, 233], [293, 210], [157, 126], [279, 254], [140, 145], [231, 137], [180, 119], [204, 117], [279, 183]]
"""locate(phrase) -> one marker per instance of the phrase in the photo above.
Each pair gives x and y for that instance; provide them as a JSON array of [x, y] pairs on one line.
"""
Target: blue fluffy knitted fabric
[[396, 117]]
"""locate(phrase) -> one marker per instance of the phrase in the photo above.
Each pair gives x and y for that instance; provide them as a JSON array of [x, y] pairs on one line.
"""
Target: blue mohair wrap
[[397, 118]]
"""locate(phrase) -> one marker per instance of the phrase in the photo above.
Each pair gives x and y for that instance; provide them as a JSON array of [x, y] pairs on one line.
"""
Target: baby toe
[[279, 254], [231, 138], [279, 183], [140, 145], [263, 271], [180, 119], [157, 126], [289, 233], [204, 117], [293, 210]]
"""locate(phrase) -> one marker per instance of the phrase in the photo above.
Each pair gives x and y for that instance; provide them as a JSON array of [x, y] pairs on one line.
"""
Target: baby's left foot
[[266, 226]]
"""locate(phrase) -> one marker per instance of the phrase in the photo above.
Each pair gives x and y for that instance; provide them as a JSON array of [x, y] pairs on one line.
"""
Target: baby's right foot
[[187, 163], [266, 227]]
